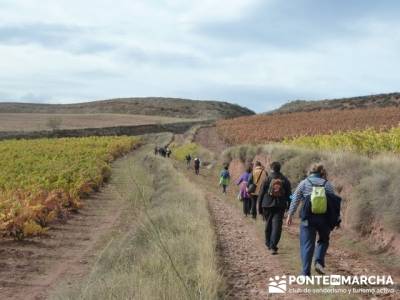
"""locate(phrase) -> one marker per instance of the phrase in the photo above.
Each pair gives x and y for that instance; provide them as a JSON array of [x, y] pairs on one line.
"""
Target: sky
[[255, 53]]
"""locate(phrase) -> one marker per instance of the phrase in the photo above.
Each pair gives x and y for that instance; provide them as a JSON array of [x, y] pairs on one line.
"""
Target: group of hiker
[[163, 151], [269, 193], [196, 163]]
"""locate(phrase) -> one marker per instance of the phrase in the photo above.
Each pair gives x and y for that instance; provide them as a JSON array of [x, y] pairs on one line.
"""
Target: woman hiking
[[320, 213], [257, 177], [224, 178], [273, 201], [243, 194]]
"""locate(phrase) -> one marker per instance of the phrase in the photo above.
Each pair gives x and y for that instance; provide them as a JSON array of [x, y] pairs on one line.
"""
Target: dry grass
[[35, 122], [369, 186], [169, 254]]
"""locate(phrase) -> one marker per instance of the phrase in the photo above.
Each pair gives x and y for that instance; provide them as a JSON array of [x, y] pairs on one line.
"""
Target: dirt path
[[208, 138], [242, 249], [31, 268], [247, 265]]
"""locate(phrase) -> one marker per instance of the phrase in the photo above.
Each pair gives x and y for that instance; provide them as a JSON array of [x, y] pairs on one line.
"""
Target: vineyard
[[368, 141], [45, 179], [275, 128]]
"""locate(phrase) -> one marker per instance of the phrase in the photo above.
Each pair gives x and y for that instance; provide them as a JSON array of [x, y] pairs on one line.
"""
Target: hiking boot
[[319, 268], [274, 251]]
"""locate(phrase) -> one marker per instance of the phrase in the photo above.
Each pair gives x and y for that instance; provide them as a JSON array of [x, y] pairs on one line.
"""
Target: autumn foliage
[[277, 127], [45, 179]]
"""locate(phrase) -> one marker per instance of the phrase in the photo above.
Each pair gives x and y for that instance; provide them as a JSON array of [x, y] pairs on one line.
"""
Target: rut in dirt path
[[245, 261]]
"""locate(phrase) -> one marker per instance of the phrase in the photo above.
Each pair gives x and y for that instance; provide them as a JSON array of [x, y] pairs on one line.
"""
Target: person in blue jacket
[[311, 223]]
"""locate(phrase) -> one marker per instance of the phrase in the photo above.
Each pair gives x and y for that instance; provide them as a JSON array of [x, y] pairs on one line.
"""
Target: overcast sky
[[257, 53]]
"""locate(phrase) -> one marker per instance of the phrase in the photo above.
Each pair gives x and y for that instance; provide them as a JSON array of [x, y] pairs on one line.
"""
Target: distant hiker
[[320, 214], [273, 201], [244, 196], [224, 178], [188, 158], [162, 152], [168, 152], [257, 177], [156, 150], [197, 166]]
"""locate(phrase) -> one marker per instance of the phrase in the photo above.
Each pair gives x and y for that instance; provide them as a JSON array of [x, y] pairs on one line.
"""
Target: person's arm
[[240, 180], [329, 188], [288, 190], [263, 189], [297, 197]]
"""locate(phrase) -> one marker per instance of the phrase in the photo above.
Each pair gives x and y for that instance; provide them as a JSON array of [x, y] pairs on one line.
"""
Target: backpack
[[276, 189], [319, 201], [225, 174]]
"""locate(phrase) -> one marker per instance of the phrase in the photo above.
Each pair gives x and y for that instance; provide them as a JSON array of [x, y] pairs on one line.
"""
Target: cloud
[[258, 53]]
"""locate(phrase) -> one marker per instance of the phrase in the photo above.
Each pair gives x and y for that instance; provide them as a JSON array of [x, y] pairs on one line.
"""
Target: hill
[[166, 107], [372, 101]]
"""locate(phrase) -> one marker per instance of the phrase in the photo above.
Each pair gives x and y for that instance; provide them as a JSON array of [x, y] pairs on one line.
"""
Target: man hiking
[[320, 213], [273, 200], [257, 177], [224, 178], [244, 196], [188, 158], [196, 166]]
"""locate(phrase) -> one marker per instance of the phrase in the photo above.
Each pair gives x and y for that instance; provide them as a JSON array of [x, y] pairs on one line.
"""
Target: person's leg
[[276, 231], [248, 205], [224, 188], [254, 207], [268, 214], [307, 245], [322, 244]]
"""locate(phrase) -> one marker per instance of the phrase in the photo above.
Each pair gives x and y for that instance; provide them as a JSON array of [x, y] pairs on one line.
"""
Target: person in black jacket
[[273, 200]]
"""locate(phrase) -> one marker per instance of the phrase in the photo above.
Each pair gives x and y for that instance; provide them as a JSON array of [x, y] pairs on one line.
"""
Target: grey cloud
[[73, 39]]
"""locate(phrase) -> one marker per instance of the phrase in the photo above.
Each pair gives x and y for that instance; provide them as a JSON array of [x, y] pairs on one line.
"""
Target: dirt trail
[[31, 268], [247, 265], [242, 250]]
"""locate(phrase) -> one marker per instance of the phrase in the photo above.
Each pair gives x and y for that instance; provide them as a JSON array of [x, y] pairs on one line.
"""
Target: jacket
[[267, 201], [257, 177], [242, 182]]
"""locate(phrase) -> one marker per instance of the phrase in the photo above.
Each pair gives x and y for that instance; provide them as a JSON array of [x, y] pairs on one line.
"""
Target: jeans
[[273, 226], [254, 206], [246, 206], [308, 234], [224, 188]]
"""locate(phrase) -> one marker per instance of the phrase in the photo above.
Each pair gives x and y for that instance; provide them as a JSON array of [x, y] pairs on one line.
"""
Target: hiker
[[224, 178], [162, 152], [188, 160], [244, 196], [197, 166], [168, 152], [257, 177], [273, 201], [320, 214]]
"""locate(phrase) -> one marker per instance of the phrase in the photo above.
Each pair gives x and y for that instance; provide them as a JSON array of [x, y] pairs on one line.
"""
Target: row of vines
[[277, 127], [367, 142], [45, 179]]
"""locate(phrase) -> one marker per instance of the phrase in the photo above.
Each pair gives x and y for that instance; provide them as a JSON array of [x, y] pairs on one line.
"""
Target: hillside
[[166, 107], [380, 100]]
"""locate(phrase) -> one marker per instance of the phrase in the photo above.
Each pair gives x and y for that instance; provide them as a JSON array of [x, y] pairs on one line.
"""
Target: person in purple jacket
[[244, 195]]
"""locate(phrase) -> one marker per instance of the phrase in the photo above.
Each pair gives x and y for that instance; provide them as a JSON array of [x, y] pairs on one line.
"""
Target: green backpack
[[319, 202]]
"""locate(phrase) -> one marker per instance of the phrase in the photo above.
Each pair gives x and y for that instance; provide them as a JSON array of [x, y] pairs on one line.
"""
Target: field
[[275, 128], [36, 121], [43, 179], [368, 141]]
